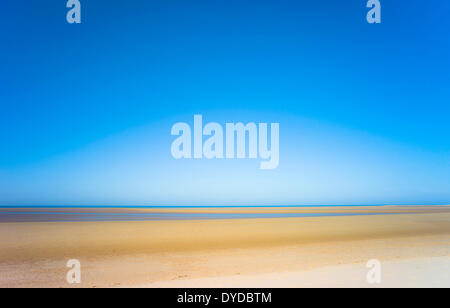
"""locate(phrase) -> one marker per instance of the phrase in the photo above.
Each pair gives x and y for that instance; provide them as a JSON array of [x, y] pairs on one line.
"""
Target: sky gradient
[[86, 110]]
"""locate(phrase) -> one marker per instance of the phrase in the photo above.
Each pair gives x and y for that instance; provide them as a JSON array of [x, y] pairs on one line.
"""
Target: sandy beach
[[412, 244]]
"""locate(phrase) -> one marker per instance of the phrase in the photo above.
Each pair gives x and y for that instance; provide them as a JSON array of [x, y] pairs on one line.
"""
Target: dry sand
[[277, 252]]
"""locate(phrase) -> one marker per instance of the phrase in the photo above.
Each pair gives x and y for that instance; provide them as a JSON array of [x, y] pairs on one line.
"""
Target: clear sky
[[86, 110]]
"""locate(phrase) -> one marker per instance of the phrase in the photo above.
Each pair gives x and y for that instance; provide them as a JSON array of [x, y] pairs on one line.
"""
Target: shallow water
[[55, 215]]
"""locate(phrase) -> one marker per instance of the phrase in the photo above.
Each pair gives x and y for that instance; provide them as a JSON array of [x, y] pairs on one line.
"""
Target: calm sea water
[[67, 216], [169, 206], [101, 213]]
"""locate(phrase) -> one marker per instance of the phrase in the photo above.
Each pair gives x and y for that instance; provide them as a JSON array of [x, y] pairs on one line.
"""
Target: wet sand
[[209, 252]]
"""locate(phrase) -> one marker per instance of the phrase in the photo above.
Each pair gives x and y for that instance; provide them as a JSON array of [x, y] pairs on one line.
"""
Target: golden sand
[[155, 253]]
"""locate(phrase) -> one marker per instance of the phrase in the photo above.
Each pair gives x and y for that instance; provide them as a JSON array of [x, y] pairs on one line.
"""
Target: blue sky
[[86, 110]]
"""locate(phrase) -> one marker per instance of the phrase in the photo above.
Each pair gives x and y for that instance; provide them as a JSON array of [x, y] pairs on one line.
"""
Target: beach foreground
[[414, 251]]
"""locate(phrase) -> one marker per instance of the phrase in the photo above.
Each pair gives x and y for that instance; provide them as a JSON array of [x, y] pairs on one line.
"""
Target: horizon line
[[208, 206]]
